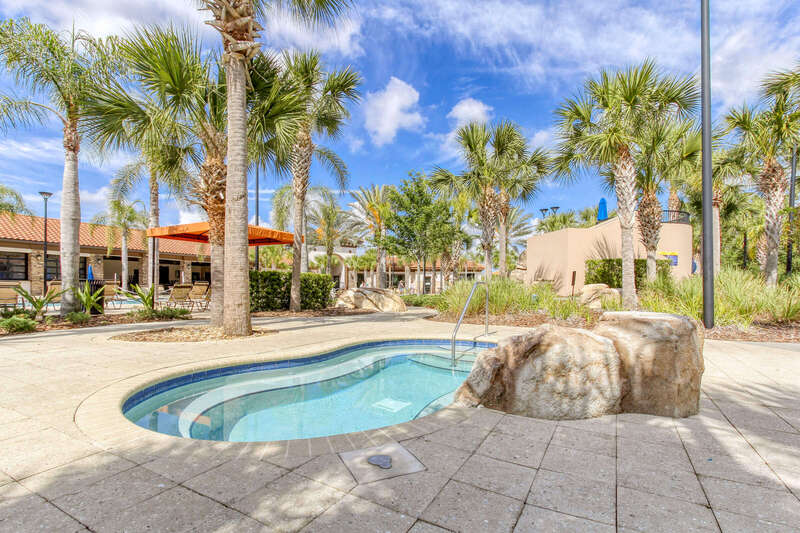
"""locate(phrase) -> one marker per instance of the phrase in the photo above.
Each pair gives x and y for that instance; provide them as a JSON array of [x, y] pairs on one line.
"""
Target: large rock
[[383, 300], [662, 361], [553, 372], [592, 295]]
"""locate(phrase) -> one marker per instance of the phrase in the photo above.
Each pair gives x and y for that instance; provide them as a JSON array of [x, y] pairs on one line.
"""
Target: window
[[54, 267], [13, 266]]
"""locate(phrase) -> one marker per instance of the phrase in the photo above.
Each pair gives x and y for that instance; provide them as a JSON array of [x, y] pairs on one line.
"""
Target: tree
[[325, 96], [121, 219], [558, 221], [417, 222], [331, 224], [11, 201], [766, 136], [602, 129], [670, 150], [60, 69], [519, 229], [369, 212], [493, 155], [520, 184]]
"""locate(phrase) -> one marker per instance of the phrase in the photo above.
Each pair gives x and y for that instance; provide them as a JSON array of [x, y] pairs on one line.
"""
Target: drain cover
[[382, 461]]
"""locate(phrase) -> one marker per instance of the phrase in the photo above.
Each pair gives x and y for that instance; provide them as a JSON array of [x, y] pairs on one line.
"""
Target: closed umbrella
[[90, 274], [602, 210]]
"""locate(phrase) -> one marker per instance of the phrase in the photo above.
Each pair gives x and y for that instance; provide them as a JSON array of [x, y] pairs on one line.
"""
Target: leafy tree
[[121, 219], [418, 221], [602, 128], [331, 224], [57, 71], [558, 221], [325, 96]]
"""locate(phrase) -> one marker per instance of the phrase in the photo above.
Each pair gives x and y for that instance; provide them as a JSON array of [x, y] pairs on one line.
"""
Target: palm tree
[[519, 185], [766, 136], [557, 221], [331, 224], [492, 154], [519, 228], [325, 95], [670, 151], [369, 213], [11, 201], [180, 115], [121, 219], [588, 216], [61, 69], [602, 128]]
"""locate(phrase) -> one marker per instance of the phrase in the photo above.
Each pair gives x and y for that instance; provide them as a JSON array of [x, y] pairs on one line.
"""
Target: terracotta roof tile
[[31, 229]]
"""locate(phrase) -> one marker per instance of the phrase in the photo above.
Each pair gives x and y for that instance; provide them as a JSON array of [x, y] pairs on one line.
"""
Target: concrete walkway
[[70, 462]]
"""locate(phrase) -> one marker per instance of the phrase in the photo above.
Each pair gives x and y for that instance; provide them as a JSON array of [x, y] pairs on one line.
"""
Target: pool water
[[358, 388]]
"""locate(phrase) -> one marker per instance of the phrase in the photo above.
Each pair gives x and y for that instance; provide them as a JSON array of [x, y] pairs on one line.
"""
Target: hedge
[[609, 271], [433, 301], [269, 290]]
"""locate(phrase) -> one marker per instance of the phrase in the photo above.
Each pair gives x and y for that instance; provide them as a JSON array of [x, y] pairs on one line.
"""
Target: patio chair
[[179, 297], [54, 285], [9, 299], [198, 292], [111, 295], [203, 304]]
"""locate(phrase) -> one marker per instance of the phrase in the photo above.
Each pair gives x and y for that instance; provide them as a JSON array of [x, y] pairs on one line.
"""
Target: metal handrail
[[461, 318]]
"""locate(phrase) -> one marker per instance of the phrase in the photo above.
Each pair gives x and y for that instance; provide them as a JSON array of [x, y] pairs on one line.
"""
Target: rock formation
[[632, 362], [383, 300]]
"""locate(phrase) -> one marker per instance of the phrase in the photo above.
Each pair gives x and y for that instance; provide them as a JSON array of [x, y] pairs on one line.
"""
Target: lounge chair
[[54, 285], [179, 297], [198, 292], [111, 294], [9, 299], [203, 304]]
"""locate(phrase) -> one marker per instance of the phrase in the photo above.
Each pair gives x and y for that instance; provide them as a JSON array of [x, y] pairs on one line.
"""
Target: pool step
[[463, 362]]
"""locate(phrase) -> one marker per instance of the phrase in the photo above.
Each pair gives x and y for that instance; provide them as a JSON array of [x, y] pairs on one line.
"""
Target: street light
[[45, 195], [554, 210], [791, 208], [708, 196], [543, 210], [257, 248]]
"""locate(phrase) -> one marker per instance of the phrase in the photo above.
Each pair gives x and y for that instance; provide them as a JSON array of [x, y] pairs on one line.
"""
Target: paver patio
[[70, 462]]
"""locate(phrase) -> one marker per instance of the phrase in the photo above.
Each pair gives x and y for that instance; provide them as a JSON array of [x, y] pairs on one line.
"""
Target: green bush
[[90, 300], [269, 290], [18, 324], [8, 313], [165, 313], [432, 301], [609, 271], [77, 317]]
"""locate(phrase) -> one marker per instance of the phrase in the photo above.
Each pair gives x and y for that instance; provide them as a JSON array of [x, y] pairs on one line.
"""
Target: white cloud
[[355, 144], [189, 215], [465, 111], [390, 110], [283, 31], [544, 138]]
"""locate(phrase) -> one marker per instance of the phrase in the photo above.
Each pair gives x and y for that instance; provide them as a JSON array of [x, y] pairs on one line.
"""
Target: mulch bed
[[758, 332], [95, 321], [187, 334], [332, 311]]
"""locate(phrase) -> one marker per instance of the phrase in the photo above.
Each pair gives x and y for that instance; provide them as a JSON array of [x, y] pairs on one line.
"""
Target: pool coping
[[100, 418]]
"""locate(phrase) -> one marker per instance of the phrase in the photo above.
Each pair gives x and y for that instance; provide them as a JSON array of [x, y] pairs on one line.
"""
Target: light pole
[[708, 195], [554, 210], [45, 195], [257, 248], [791, 210]]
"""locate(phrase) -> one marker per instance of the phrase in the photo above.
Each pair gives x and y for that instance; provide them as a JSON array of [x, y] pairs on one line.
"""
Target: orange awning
[[198, 232]]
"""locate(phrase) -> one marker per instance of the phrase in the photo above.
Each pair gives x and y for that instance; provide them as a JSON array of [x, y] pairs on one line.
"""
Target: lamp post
[[554, 210], [257, 248], [708, 196], [791, 209], [45, 195], [543, 211]]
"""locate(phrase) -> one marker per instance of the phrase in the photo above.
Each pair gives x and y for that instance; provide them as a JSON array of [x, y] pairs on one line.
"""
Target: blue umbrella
[[90, 274], [602, 210]]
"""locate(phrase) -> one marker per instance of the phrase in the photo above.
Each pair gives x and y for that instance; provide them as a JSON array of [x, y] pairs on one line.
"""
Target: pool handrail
[[461, 319]]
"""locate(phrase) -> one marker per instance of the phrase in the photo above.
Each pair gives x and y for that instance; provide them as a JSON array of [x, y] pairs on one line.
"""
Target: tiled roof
[[31, 229]]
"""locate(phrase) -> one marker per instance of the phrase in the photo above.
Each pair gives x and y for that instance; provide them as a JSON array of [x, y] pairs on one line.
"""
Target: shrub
[[505, 296], [18, 324], [166, 313], [39, 305], [88, 299], [269, 290], [432, 301], [77, 317], [8, 313], [609, 271], [146, 297]]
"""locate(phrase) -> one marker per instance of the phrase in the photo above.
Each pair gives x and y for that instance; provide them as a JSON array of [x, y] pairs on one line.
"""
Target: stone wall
[[96, 262], [186, 269], [36, 272]]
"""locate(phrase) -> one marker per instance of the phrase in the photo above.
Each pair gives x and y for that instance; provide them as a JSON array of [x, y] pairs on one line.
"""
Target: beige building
[[555, 256], [22, 247]]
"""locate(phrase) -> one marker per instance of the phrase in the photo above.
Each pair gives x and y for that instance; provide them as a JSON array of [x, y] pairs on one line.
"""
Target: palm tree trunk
[[503, 244], [649, 215], [433, 276], [625, 187], [381, 264], [772, 185], [418, 277], [216, 238], [301, 167], [70, 220], [124, 280], [153, 222], [236, 313]]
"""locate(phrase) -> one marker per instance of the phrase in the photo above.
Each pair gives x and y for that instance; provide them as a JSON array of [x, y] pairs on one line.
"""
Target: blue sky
[[431, 65]]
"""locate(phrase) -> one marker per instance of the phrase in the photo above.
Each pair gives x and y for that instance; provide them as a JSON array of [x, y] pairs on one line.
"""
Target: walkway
[[66, 464]]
